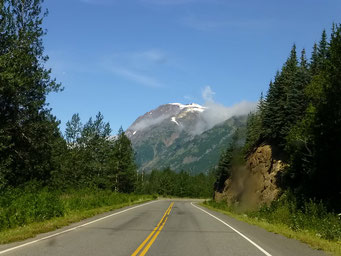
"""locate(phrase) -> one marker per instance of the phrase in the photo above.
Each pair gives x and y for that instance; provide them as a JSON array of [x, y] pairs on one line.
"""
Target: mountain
[[181, 137]]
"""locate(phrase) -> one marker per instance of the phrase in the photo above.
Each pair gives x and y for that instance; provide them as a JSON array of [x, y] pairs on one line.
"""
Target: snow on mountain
[[180, 136], [176, 113], [189, 107]]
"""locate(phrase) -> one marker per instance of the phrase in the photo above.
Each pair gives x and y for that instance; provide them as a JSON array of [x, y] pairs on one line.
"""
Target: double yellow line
[[153, 235]]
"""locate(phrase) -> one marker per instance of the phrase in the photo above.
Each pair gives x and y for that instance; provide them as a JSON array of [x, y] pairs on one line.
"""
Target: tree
[[254, 126], [327, 129], [124, 164], [73, 130], [89, 155], [28, 132], [232, 156]]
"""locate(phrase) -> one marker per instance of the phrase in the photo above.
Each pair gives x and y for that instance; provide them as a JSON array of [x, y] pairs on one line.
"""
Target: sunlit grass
[[309, 236], [19, 223]]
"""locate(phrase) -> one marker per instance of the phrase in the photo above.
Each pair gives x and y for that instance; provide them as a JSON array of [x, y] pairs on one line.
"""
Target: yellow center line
[[158, 228]]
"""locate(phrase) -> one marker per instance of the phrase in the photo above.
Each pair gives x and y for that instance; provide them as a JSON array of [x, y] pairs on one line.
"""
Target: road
[[159, 228]]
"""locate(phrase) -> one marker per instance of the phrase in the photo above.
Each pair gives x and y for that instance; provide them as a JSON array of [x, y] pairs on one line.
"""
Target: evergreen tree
[[232, 156], [254, 126], [89, 156], [314, 60], [275, 111], [327, 129], [28, 131], [73, 130], [296, 100], [124, 165]]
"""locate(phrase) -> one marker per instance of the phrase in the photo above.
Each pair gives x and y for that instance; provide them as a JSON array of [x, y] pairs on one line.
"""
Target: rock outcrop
[[255, 183]]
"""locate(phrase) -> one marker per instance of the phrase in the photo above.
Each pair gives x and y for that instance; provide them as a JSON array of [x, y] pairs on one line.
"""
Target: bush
[[33, 203], [306, 215], [26, 205]]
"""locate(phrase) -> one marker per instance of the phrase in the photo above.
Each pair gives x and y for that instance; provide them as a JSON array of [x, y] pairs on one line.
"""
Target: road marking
[[157, 229], [235, 230], [151, 234], [74, 228]]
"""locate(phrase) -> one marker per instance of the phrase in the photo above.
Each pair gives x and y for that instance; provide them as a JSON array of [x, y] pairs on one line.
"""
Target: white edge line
[[74, 228], [235, 230]]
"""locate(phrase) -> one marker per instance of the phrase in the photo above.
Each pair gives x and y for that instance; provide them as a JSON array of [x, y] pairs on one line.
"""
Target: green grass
[[313, 225], [24, 213]]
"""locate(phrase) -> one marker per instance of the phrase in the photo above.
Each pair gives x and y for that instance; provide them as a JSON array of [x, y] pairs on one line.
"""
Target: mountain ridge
[[178, 136]]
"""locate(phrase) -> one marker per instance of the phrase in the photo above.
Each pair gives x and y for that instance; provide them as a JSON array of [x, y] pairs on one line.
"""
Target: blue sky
[[126, 57]]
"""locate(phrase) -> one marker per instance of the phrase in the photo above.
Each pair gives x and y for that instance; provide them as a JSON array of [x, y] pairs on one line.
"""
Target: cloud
[[207, 94], [169, 2], [149, 122], [136, 77], [216, 113], [187, 97], [97, 2], [180, 2], [139, 67], [202, 24], [154, 55], [215, 23]]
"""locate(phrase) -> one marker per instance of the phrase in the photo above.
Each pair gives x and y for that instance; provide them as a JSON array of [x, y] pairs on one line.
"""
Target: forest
[[47, 173], [300, 118]]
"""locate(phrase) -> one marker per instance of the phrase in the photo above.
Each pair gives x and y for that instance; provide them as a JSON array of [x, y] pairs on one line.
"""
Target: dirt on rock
[[255, 183]]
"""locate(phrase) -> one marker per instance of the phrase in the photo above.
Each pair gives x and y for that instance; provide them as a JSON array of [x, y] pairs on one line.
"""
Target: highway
[[163, 227]]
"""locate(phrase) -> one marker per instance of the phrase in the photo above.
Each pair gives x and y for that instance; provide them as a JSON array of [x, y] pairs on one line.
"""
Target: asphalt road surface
[[159, 228]]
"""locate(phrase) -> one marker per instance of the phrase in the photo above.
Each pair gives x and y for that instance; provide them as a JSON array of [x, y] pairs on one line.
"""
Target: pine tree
[[275, 111], [73, 130], [297, 102], [285, 102], [124, 164], [27, 129], [319, 55], [254, 126], [327, 129], [314, 61]]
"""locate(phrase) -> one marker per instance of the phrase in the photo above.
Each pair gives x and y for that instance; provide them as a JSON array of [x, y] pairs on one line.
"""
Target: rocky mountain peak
[[168, 136], [174, 114]]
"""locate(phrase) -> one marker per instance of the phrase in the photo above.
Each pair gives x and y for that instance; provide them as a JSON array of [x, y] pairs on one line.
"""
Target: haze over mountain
[[188, 137]]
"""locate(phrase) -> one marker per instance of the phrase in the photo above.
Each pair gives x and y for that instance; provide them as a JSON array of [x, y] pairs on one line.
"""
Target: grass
[[24, 213], [314, 226]]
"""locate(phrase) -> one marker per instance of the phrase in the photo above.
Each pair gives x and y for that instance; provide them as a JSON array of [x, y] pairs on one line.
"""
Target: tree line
[[32, 148], [167, 182], [300, 116]]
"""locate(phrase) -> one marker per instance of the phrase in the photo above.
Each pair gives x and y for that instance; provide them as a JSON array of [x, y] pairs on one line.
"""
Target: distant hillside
[[177, 136]]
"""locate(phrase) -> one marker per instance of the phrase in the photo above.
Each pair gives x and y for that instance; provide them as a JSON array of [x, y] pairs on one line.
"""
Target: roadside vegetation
[[50, 178], [309, 222], [30, 210], [300, 117], [168, 183]]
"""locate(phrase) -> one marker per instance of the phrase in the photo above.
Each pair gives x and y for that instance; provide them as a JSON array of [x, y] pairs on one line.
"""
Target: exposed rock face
[[169, 136], [255, 183]]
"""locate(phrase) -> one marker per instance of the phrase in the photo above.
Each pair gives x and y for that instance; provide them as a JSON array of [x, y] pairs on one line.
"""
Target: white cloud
[[98, 2], [186, 97], [139, 67], [145, 123], [154, 55], [216, 113], [208, 94], [215, 23], [136, 77], [169, 2], [203, 24]]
